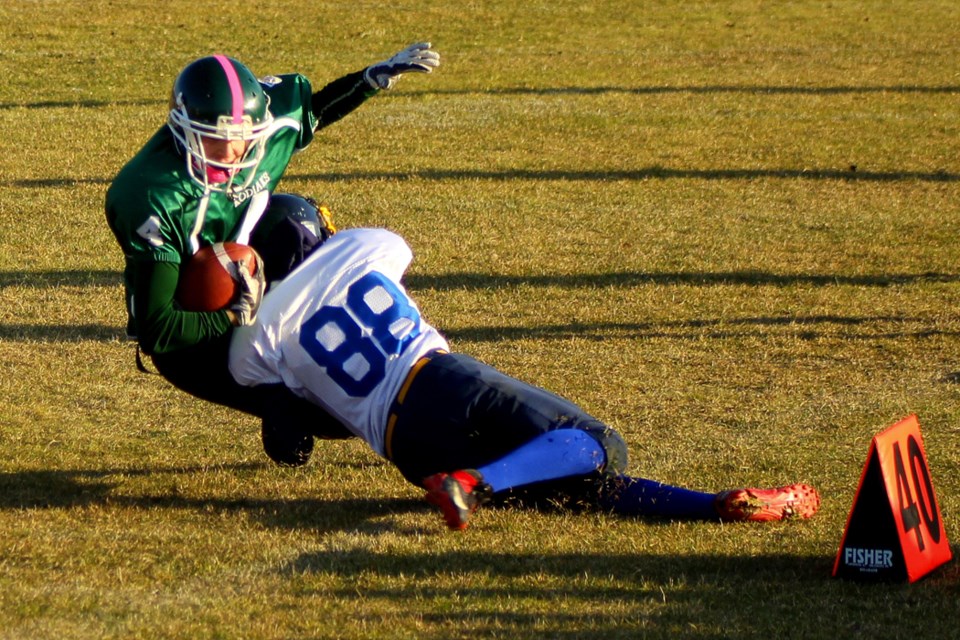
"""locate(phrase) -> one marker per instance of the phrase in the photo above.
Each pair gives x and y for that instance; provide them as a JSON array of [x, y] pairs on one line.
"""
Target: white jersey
[[340, 331]]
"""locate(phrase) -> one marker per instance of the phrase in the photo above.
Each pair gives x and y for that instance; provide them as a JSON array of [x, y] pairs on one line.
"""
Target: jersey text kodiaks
[[258, 186]]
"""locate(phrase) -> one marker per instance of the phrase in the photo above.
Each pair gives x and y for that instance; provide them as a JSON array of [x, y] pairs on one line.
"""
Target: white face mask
[[215, 175]]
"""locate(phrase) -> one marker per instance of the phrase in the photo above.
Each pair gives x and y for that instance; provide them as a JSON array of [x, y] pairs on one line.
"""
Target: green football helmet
[[219, 98]]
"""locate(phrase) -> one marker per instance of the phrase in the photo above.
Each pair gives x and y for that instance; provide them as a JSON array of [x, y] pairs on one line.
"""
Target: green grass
[[728, 229]]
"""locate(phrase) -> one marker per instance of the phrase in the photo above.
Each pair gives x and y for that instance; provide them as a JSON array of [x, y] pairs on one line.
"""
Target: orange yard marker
[[894, 531]]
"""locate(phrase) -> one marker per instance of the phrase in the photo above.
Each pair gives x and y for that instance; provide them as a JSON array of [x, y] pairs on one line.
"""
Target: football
[[209, 280]]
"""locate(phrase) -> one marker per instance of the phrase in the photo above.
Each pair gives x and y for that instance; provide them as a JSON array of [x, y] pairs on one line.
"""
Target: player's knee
[[614, 448], [287, 446]]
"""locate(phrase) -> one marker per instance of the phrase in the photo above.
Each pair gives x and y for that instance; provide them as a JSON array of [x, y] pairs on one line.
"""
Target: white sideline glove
[[417, 57], [251, 293]]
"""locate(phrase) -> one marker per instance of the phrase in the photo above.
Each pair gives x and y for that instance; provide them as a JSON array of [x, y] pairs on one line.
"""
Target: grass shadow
[[408, 94], [714, 328], [68, 489], [62, 333], [628, 569], [847, 174], [670, 595], [65, 278], [476, 280], [745, 89], [516, 590], [633, 175], [801, 326], [804, 327]]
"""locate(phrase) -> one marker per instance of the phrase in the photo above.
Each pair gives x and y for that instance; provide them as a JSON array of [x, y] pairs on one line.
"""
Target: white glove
[[250, 294], [417, 57]]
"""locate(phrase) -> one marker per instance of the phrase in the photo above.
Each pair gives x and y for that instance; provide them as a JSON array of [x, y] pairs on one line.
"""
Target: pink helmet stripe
[[236, 92]]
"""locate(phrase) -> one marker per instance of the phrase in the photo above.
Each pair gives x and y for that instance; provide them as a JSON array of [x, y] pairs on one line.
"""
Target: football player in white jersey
[[342, 332]]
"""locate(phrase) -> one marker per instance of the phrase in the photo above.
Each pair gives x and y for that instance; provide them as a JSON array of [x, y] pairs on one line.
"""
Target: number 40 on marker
[[894, 531]]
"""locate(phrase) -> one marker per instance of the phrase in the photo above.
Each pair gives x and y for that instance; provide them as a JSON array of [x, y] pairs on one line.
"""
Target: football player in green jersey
[[206, 176]]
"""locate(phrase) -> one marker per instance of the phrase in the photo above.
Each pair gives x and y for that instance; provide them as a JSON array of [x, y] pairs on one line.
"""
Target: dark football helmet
[[218, 97], [302, 209], [288, 231]]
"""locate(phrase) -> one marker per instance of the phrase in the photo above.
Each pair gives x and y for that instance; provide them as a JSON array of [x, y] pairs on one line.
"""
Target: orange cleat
[[764, 505], [458, 495]]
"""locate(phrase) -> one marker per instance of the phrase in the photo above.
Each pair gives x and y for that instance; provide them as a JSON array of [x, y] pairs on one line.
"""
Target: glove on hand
[[250, 293], [417, 57]]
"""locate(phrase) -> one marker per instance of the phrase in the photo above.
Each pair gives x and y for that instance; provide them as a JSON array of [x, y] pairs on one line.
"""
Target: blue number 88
[[376, 304]]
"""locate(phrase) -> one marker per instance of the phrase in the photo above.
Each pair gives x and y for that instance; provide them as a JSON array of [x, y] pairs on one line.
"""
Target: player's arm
[[342, 96], [161, 326], [339, 98]]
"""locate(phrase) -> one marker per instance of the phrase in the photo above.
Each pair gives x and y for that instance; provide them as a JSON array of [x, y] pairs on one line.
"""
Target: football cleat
[[764, 505], [458, 495]]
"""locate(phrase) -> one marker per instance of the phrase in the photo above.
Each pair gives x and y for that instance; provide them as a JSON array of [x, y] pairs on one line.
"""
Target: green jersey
[[160, 216]]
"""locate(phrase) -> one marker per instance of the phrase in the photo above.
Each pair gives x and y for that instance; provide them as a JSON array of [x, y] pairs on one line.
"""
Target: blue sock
[[639, 497], [556, 454]]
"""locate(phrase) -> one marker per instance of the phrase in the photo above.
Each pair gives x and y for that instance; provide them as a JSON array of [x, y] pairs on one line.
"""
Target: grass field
[[727, 228]]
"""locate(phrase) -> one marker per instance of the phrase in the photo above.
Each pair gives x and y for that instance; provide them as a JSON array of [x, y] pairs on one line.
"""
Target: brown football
[[208, 280]]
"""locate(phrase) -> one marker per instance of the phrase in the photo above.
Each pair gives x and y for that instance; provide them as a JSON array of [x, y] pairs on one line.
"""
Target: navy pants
[[462, 414]]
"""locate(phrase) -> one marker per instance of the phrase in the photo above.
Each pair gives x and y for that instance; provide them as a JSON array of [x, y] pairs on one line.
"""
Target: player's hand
[[250, 295], [419, 58]]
